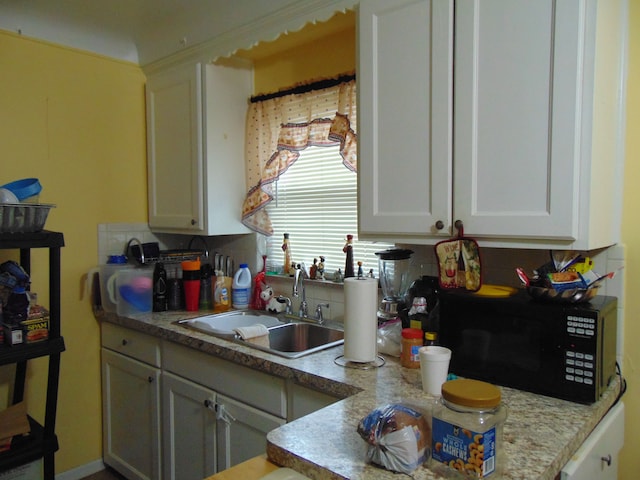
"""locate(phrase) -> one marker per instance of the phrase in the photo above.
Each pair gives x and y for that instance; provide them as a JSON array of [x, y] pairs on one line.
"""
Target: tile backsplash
[[498, 264]]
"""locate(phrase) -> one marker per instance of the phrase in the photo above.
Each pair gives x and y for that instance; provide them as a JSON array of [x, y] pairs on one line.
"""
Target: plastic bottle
[[411, 343], [286, 248], [175, 290], [430, 338], [206, 298], [160, 299], [241, 288]]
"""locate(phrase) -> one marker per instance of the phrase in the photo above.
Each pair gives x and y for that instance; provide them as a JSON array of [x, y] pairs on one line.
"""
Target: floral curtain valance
[[279, 128]]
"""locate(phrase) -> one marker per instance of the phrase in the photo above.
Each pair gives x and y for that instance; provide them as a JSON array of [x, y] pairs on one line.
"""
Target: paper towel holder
[[344, 362]]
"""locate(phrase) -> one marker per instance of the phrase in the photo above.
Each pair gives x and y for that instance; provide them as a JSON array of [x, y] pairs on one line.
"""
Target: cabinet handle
[[222, 414], [193, 221], [124, 342], [150, 378], [458, 224], [607, 460], [209, 404], [439, 225]]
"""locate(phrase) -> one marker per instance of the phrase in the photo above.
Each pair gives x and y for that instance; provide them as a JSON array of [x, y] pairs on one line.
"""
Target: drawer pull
[[222, 414], [607, 460], [124, 342]]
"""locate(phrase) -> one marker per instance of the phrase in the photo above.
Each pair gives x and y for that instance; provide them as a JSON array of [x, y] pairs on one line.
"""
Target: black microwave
[[565, 351]]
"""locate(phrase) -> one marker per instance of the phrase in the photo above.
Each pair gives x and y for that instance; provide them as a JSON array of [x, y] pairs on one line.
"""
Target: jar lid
[[430, 335], [412, 333], [471, 393]]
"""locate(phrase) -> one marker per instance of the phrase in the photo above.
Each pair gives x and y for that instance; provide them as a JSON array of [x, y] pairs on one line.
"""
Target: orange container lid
[[191, 265]]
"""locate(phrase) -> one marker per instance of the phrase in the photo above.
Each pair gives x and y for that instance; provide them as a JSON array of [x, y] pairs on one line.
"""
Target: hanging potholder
[[459, 263]]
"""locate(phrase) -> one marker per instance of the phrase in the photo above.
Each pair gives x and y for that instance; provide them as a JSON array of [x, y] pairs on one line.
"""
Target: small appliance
[[393, 268], [560, 350]]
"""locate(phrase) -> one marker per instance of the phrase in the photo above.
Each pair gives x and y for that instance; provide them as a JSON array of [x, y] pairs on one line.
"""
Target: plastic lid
[[395, 254], [430, 335], [412, 333], [117, 259], [471, 393], [244, 265], [191, 265]]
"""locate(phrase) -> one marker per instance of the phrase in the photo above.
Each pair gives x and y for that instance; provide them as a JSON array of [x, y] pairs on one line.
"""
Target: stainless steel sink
[[293, 340], [288, 336]]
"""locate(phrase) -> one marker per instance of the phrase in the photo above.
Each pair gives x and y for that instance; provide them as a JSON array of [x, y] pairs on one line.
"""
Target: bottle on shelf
[[430, 338]]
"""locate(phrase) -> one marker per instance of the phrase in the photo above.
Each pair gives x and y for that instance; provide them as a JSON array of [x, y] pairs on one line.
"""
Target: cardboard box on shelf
[[36, 327], [12, 334]]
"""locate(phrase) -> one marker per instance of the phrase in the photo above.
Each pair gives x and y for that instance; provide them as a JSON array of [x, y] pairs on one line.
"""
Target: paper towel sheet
[[360, 319]]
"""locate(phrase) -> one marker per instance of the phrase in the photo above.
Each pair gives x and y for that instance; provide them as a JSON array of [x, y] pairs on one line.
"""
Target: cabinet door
[[189, 425], [301, 401], [405, 81], [242, 431], [597, 458], [174, 149], [517, 91], [131, 416]]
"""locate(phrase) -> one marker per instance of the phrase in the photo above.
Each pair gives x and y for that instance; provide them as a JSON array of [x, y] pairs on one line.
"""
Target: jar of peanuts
[[411, 343]]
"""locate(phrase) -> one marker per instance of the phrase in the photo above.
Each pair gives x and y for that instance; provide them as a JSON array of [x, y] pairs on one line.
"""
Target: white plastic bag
[[389, 338], [398, 436]]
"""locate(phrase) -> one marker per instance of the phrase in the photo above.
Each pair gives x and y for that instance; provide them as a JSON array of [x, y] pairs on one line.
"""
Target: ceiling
[[142, 31]]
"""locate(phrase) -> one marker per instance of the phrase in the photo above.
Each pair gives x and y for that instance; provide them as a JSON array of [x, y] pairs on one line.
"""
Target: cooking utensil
[[523, 276]]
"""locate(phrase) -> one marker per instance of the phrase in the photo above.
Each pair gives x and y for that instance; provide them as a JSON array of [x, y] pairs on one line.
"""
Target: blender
[[393, 267]]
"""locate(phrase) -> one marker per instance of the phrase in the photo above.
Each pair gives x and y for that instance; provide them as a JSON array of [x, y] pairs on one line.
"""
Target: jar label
[[464, 450], [414, 356]]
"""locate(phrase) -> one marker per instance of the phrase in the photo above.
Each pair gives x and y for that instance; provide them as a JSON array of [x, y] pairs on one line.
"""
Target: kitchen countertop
[[540, 434]]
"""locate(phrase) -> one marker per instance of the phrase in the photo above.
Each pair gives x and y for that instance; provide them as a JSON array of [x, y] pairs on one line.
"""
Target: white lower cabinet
[[189, 427], [597, 458], [175, 413], [131, 416], [242, 431]]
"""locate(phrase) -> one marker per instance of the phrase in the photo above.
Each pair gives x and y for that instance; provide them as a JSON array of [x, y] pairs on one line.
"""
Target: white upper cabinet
[[506, 116], [195, 148]]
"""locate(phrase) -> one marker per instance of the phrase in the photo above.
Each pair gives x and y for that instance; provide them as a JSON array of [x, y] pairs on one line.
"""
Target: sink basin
[[287, 337], [293, 340], [224, 324]]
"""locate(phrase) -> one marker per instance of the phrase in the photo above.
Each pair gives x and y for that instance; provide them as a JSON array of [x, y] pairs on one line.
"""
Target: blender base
[[343, 362]]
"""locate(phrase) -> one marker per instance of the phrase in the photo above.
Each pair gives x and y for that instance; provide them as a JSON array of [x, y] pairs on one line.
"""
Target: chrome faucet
[[319, 317], [298, 284]]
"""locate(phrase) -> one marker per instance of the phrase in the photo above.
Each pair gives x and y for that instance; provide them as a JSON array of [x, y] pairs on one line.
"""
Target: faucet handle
[[319, 316]]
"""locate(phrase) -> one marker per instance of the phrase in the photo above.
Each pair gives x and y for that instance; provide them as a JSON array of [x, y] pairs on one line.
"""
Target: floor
[[107, 474]]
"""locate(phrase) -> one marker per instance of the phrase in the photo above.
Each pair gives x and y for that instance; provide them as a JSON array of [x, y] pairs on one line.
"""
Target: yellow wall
[[301, 64], [75, 121], [630, 461]]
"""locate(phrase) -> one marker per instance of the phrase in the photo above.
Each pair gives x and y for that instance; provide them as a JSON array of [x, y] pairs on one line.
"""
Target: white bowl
[[7, 196]]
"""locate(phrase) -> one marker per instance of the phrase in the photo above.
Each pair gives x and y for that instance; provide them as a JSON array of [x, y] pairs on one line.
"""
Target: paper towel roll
[[360, 319]]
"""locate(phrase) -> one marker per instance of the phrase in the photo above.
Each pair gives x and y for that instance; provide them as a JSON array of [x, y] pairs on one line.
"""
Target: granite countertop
[[540, 433]]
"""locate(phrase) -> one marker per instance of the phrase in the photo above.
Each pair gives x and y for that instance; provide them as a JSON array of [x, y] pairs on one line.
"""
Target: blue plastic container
[[25, 188]]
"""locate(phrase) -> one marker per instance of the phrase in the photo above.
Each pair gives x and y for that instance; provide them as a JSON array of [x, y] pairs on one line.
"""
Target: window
[[316, 203]]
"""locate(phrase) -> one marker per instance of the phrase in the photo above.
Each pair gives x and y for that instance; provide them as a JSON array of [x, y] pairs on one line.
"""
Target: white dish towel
[[257, 334]]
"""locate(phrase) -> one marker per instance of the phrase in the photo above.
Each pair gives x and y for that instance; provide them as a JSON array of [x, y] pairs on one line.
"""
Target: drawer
[[131, 343], [258, 389]]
